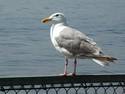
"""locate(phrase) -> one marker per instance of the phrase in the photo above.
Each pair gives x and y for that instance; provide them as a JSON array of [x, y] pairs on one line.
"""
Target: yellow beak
[[46, 20]]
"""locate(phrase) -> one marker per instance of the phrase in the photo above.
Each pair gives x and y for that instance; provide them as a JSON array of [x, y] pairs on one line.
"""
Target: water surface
[[25, 47]]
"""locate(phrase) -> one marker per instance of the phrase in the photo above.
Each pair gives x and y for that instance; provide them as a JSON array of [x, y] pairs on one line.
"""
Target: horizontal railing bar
[[3, 89], [46, 80]]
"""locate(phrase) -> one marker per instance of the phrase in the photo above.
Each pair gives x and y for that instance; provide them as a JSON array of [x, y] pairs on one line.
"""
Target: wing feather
[[76, 42]]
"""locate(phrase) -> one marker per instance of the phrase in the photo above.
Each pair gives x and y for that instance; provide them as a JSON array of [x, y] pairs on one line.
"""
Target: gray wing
[[76, 42]]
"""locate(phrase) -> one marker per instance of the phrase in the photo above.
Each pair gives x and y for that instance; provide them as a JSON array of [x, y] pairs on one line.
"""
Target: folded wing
[[77, 43]]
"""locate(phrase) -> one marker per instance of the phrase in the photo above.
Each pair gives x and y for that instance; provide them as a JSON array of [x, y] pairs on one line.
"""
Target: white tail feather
[[99, 62]]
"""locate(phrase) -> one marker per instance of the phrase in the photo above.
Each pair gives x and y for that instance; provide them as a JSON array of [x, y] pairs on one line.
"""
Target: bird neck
[[57, 24], [52, 30]]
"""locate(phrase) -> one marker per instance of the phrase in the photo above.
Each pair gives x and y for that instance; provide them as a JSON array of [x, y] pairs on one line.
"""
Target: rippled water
[[25, 47]]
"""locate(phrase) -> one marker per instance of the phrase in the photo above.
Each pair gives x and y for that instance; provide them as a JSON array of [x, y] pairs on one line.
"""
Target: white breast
[[55, 32]]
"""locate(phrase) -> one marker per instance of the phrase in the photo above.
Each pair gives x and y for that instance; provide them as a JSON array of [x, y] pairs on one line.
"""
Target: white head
[[55, 18]]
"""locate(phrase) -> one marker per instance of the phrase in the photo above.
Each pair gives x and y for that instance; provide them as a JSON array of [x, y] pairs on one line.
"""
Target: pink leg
[[75, 63], [65, 69]]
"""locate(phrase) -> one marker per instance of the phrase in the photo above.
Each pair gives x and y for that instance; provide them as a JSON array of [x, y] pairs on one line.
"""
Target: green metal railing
[[81, 84]]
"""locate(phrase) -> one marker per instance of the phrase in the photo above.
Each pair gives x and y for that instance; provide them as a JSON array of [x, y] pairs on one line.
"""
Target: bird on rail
[[74, 44]]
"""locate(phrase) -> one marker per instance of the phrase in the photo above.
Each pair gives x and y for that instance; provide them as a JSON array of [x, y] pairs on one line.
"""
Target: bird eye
[[57, 15]]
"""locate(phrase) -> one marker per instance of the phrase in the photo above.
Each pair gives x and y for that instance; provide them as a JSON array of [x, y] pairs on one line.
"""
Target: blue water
[[25, 46]]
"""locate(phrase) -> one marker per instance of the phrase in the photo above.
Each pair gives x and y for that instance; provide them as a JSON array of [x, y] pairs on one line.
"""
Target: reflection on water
[[25, 47]]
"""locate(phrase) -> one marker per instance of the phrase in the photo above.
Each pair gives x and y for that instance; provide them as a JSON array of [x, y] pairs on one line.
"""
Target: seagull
[[74, 44]]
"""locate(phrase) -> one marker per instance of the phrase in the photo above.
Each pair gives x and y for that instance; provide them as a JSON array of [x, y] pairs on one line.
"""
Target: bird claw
[[67, 74], [63, 74], [72, 74]]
